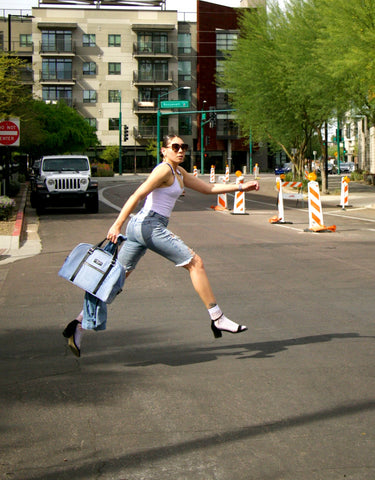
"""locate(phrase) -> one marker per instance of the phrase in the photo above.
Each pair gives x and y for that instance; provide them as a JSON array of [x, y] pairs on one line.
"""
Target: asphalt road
[[155, 396]]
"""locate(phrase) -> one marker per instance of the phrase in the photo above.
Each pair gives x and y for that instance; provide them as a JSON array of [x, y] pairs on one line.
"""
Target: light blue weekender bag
[[96, 270]]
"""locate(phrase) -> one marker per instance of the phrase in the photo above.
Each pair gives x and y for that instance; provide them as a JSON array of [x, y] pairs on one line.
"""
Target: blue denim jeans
[[148, 230]]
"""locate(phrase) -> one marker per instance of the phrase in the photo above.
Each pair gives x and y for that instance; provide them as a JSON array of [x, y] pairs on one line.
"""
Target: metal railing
[[57, 47], [67, 76], [154, 77], [17, 47], [154, 49], [148, 131]]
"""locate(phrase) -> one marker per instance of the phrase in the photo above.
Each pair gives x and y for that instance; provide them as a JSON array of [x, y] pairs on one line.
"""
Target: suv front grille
[[67, 184]]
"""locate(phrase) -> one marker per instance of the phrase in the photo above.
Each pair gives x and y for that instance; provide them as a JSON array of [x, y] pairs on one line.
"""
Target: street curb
[[13, 241], [19, 225]]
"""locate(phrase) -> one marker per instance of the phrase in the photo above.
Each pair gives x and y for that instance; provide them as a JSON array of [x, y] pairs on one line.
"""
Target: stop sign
[[9, 132]]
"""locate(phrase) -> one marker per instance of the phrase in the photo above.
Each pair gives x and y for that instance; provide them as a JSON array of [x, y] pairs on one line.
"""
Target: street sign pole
[[119, 136]]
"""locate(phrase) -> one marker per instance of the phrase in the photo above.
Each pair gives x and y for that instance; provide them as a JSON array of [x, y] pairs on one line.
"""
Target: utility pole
[[119, 136]]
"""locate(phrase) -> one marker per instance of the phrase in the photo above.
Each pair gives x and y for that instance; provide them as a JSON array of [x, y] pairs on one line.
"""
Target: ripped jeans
[[148, 230]]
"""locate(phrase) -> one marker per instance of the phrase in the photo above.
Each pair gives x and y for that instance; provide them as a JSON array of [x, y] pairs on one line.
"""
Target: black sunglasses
[[176, 147]]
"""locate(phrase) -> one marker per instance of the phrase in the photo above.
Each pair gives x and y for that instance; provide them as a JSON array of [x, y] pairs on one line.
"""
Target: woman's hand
[[113, 233], [253, 185]]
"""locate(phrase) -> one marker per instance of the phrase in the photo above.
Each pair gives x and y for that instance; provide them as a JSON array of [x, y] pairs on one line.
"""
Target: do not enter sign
[[10, 132]]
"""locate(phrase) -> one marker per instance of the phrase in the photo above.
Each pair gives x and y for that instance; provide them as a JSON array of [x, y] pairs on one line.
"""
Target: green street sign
[[175, 104]]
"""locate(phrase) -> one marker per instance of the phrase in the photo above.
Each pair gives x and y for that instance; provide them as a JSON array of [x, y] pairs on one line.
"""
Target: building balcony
[[67, 78], [143, 106], [18, 49], [57, 48], [156, 49], [227, 134], [144, 132], [27, 75], [154, 78], [67, 101]]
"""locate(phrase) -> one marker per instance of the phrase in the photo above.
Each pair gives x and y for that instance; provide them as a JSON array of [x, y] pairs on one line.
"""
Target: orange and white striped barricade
[[195, 171], [279, 218], [222, 203], [316, 223], [344, 192], [293, 195], [212, 174], [227, 174], [239, 200]]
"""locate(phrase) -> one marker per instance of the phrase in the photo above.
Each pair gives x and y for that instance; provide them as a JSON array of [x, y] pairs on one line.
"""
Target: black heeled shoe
[[70, 329], [217, 331], [73, 347]]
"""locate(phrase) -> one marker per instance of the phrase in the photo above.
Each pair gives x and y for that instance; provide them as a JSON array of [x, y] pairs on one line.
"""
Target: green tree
[[151, 148], [51, 129], [278, 85], [13, 94], [111, 155], [347, 48]]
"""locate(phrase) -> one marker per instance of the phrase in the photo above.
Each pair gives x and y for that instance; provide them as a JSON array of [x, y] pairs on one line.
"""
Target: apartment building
[[117, 65]]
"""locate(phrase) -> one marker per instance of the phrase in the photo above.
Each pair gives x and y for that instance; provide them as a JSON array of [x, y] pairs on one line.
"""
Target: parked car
[[286, 168], [331, 167], [347, 167], [64, 180]]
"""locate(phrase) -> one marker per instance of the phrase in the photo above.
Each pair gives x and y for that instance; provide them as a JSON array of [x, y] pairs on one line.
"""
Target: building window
[[89, 40], [225, 41], [184, 70], [184, 43], [55, 93], [56, 41], [151, 71], [57, 69], [113, 124], [114, 68], [26, 40], [114, 40], [89, 96], [91, 122], [152, 42], [113, 96], [184, 124], [89, 68]]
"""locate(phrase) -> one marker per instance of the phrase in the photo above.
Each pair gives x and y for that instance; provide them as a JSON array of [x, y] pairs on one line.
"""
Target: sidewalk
[[24, 241]]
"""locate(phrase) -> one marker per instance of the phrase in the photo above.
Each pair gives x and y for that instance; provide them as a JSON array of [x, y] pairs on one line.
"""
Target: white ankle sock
[[78, 334], [215, 312]]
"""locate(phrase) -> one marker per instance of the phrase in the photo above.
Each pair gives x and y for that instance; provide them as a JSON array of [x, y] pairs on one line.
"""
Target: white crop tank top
[[162, 200]]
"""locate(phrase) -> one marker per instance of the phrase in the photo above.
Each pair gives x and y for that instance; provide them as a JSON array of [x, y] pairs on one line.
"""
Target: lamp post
[[119, 136], [158, 115]]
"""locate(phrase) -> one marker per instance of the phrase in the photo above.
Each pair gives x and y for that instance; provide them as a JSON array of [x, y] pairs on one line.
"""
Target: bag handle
[[112, 248]]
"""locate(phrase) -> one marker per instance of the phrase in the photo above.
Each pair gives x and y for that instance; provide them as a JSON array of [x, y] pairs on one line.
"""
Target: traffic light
[[212, 119], [126, 133]]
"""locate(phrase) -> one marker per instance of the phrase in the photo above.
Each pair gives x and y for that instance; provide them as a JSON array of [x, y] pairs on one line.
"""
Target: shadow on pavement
[[150, 455]]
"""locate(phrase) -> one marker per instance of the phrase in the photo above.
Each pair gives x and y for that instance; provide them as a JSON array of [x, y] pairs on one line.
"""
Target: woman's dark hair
[[167, 139]]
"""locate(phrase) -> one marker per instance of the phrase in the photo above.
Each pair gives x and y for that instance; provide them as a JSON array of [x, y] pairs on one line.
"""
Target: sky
[[181, 6]]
